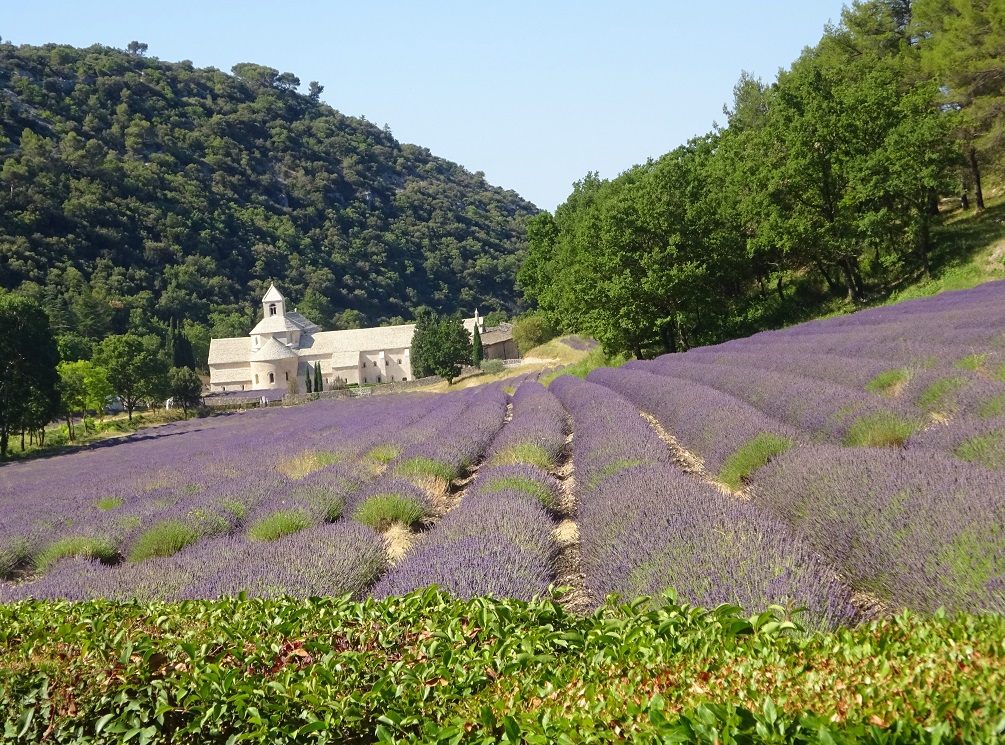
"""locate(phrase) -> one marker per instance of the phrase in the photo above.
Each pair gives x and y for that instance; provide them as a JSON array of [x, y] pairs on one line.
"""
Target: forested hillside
[[825, 184], [135, 191]]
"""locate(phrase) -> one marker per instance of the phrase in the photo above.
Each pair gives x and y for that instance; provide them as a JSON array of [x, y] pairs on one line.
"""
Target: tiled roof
[[306, 325], [275, 325], [496, 336], [222, 351], [359, 340], [272, 350]]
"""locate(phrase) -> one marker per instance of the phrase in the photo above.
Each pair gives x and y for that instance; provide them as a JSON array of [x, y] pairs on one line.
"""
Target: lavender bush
[[980, 441], [706, 421], [536, 433], [497, 541], [325, 560], [818, 409], [654, 528], [917, 528], [610, 433]]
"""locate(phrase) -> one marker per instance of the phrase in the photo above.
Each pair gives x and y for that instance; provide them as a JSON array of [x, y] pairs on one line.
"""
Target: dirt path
[[568, 563], [444, 496], [688, 461]]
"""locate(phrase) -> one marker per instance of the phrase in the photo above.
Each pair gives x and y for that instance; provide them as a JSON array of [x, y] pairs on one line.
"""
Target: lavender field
[[841, 468]]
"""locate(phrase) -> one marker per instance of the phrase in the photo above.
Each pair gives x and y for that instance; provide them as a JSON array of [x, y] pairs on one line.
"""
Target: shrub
[[529, 486], [937, 397], [986, 450], [328, 499], [384, 453], [425, 467], [163, 539], [753, 454], [492, 367], [971, 362], [383, 510], [881, 429], [993, 406], [278, 524], [532, 331], [889, 383], [305, 463], [91, 548], [523, 452], [109, 503]]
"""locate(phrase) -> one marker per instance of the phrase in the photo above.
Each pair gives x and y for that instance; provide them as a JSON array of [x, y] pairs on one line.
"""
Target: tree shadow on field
[[106, 443]]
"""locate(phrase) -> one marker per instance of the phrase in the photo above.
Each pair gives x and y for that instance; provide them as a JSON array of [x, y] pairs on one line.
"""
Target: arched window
[[256, 378], [272, 377], [272, 309]]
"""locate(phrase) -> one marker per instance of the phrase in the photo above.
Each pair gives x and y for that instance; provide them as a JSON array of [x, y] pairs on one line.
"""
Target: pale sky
[[534, 94]]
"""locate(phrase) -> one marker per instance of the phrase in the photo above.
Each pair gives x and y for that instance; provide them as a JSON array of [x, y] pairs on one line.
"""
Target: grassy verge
[[57, 439], [590, 361], [425, 668]]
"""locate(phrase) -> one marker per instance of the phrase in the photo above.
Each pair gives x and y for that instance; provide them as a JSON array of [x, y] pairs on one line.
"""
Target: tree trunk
[[69, 426], [933, 203], [854, 291], [975, 171], [831, 285], [924, 244], [778, 286], [667, 338]]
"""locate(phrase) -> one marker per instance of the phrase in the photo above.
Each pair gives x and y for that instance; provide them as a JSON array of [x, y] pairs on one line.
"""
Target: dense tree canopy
[[29, 381], [833, 173], [440, 345], [134, 192], [135, 367]]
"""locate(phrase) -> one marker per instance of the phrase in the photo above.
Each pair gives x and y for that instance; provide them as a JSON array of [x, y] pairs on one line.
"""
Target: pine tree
[[477, 355]]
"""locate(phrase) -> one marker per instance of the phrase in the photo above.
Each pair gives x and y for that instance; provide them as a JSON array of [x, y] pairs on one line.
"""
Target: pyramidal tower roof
[[272, 295]]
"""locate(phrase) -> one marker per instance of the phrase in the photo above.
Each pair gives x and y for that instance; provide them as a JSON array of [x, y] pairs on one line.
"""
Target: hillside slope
[[135, 187]]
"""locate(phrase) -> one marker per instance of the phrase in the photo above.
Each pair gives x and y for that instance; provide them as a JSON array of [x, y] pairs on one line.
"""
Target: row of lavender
[[245, 481], [937, 364], [498, 540], [914, 527], [647, 527]]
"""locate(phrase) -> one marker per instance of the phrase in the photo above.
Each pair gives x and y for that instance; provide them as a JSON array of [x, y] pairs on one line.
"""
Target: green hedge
[[426, 668]]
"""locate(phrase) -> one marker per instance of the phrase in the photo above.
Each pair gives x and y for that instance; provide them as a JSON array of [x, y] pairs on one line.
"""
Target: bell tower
[[273, 304]]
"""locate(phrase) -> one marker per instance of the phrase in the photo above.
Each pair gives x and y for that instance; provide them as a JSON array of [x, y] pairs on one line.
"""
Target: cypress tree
[[171, 344], [318, 383], [308, 381], [476, 348]]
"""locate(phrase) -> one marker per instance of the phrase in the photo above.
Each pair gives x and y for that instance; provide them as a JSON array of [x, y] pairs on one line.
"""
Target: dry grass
[[400, 539], [549, 354], [306, 462]]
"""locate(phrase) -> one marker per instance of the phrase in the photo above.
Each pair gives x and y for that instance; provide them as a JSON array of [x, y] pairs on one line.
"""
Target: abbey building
[[285, 344]]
